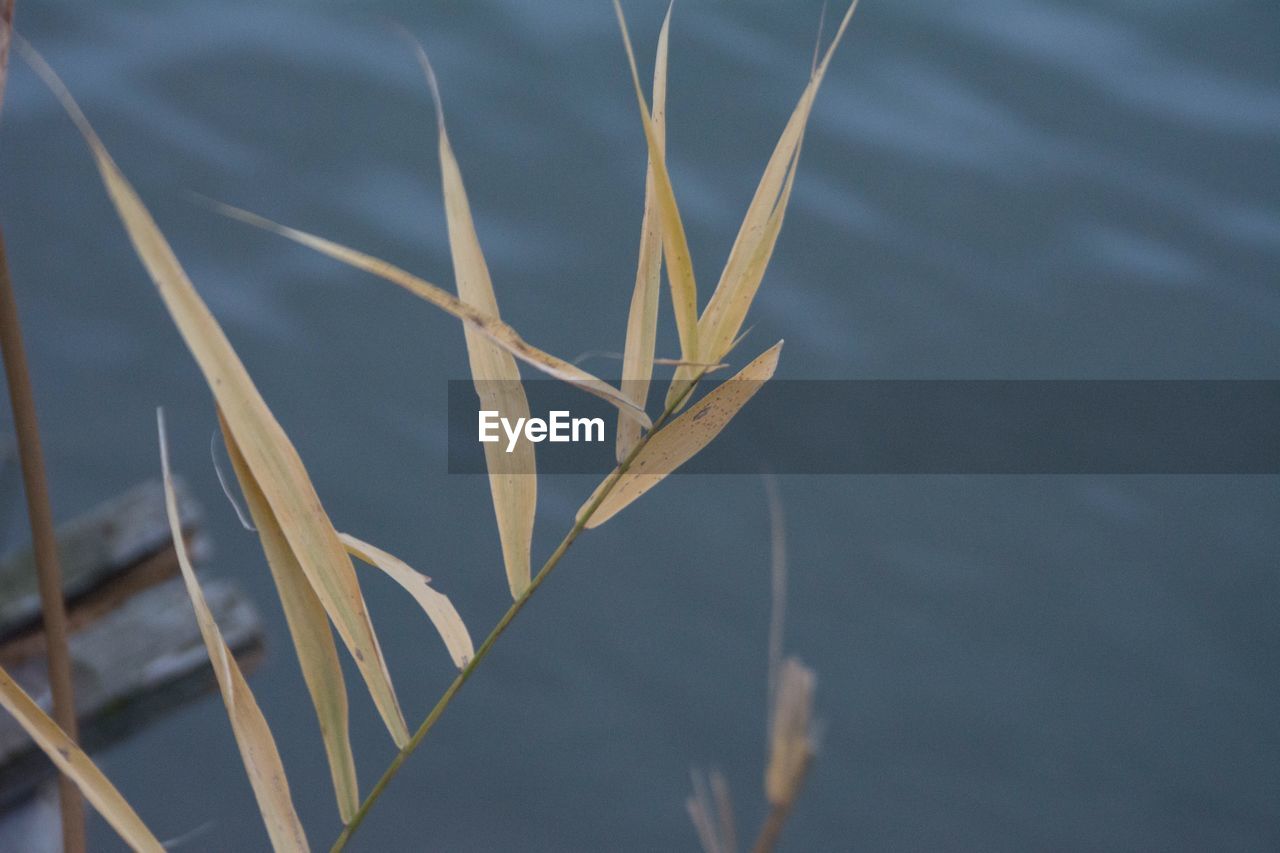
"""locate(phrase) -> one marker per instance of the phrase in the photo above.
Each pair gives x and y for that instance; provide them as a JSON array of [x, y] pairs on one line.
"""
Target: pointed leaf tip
[[253, 736], [267, 450]]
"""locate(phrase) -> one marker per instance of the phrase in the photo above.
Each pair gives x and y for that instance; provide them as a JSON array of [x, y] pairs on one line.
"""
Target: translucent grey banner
[[924, 427]]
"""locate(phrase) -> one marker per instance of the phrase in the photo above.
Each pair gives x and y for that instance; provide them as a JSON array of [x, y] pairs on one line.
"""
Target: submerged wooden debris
[[135, 646]]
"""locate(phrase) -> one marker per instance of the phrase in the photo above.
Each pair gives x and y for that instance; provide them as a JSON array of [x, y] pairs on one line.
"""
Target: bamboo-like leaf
[[438, 607], [724, 317], [76, 766], [512, 480], [642, 320], [727, 309], [682, 439], [253, 736], [684, 288], [267, 451], [309, 630], [492, 327]]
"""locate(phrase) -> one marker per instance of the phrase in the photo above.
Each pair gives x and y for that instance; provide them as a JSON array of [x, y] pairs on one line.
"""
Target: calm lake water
[[1017, 189]]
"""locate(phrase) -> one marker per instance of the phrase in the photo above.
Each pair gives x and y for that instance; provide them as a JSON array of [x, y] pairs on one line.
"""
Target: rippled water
[[1008, 189]]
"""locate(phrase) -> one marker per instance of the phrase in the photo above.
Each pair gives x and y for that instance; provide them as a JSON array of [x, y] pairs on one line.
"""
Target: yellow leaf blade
[[727, 309], [684, 288], [309, 630], [753, 272], [437, 606], [268, 452], [682, 439], [76, 766], [642, 320], [253, 736], [512, 481], [492, 327]]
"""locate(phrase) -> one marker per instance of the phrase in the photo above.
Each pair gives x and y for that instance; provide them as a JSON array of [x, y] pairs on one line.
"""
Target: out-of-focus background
[[1017, 189]]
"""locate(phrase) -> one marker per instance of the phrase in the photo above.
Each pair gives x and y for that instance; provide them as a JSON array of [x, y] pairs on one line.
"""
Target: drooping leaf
[[76, 766], [267, 451], [492, 327], [310, 632], [682, 439], [684, 288], [512, 480], [253, 736], [438, 607], [642, 320]]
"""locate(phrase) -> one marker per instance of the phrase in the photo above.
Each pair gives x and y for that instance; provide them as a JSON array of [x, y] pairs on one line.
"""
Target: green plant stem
[[461, 678], [44, 546]]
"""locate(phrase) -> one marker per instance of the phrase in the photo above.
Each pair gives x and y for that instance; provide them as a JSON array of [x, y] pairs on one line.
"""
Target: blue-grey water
[[1006, 188]]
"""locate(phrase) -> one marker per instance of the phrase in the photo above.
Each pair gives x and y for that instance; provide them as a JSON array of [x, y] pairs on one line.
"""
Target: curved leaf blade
[[682, 439], [253, 735], [76, 766], [492, 327], [309, 629], [270, 455], [437, 606]]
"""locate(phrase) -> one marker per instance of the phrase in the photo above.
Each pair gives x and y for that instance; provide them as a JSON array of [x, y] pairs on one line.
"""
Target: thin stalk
[[579, 525], [44, 544]]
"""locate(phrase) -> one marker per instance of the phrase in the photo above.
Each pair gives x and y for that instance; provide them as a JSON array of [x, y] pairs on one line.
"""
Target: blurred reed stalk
[[44, 544], [779, 811], [49, 572]]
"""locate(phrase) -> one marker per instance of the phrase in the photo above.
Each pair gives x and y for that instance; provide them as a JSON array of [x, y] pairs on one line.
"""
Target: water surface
[[1016, 189]]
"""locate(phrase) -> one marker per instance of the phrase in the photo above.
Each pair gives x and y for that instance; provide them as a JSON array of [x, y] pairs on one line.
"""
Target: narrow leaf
[[642, 321], [76, 766], [492, 327], [727, 309], [309, 630], [512, 480], [253, 736], [267, 450], [437, 605], [682, 439], [684, 289]]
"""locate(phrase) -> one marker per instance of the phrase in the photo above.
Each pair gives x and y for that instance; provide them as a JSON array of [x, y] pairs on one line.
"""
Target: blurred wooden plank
[[133, 664], [112, 539]]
